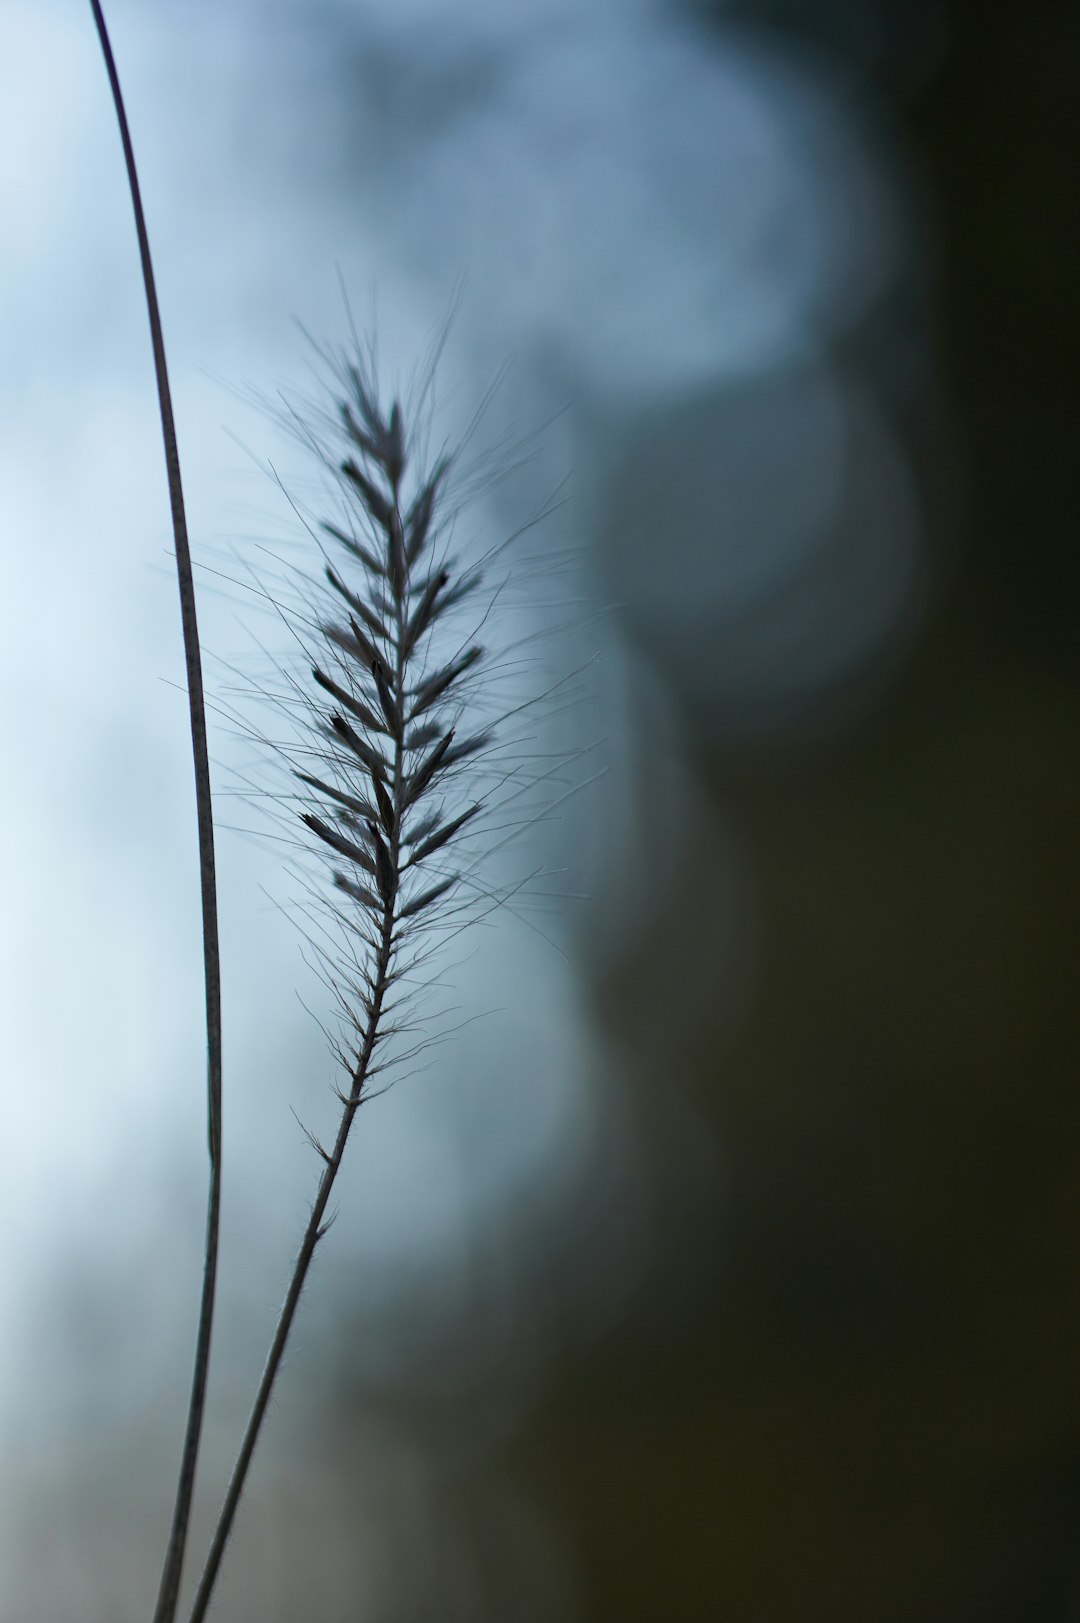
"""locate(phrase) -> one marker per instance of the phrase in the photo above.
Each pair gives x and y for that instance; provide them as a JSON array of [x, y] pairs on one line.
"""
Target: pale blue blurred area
[[673, 235]]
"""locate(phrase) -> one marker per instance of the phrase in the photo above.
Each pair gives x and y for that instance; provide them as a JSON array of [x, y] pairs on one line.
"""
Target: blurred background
[[727, 1268]]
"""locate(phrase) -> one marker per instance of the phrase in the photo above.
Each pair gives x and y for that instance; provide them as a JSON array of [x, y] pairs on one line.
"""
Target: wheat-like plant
[[382, 778]]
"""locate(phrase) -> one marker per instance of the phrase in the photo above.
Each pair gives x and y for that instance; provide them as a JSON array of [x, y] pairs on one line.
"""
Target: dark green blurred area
[[874, 1412], [877, 1413]]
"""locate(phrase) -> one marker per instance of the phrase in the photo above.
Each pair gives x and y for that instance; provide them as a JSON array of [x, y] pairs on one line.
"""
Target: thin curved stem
[[170, 1578]]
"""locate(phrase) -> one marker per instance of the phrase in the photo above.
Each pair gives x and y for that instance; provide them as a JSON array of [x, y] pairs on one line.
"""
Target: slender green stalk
[[171, 1573]]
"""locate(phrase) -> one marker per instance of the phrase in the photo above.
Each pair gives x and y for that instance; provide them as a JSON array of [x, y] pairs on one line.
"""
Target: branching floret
[[385, 807], [393, 745]]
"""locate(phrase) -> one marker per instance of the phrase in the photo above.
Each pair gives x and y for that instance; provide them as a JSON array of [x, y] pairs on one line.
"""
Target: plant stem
[[314, 1232], [170, 1578]]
